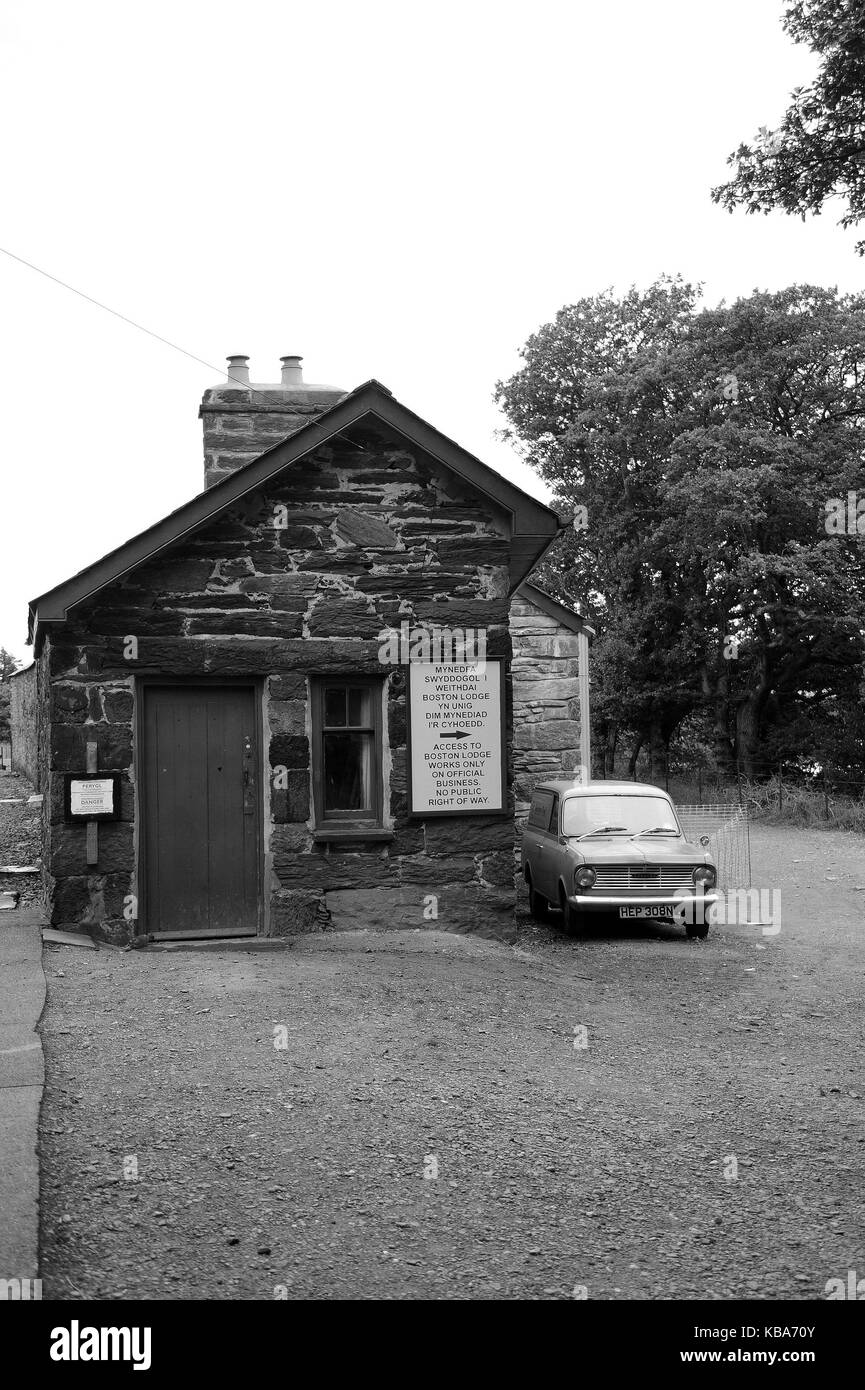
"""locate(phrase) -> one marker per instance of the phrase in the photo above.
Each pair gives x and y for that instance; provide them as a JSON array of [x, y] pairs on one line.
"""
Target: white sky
[[394, 189]]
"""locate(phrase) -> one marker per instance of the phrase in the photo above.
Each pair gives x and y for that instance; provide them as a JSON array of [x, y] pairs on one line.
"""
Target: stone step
[[66, 938]]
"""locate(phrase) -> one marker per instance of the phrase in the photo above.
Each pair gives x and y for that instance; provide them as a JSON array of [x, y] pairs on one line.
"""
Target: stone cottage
[[316, 696]]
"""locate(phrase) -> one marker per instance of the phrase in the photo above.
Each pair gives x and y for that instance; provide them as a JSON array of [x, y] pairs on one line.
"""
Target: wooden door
[[200, 813]]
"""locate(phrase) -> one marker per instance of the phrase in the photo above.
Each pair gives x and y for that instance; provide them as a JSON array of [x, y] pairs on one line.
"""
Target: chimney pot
[[292, 374], [238, 371]]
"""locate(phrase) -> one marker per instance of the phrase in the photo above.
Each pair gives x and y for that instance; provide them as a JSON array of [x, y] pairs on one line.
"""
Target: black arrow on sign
[[453, 735]]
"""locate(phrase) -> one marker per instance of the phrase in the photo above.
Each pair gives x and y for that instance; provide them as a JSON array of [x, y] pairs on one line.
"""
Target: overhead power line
[[125, 319]]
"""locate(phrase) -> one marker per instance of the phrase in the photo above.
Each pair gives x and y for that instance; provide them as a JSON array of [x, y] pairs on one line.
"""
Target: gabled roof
[[534, 526], [553, 609]]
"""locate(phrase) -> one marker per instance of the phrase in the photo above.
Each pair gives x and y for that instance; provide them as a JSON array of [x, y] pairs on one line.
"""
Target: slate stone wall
[[23, 723], [546, 700], [374, 536]]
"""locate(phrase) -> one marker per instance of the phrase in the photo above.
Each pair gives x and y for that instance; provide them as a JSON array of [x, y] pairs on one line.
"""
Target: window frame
[[330, 820]]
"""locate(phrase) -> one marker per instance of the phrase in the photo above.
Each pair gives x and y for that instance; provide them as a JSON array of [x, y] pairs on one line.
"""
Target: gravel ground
[[299, 1172], [20, 839]]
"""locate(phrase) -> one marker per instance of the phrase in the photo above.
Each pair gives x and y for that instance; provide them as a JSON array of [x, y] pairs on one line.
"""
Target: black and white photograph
[[432, 671]]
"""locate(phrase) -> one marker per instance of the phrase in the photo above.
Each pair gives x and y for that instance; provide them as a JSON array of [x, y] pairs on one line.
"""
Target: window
[[554, 816], [346, 760], [539, 815], [624, 812]]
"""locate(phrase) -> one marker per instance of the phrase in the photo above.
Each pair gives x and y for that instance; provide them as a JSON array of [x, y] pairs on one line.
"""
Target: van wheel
[[538, 906], [571, 918], [700, 930]]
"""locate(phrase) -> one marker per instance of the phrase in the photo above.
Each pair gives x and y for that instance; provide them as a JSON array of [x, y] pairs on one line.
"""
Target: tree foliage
[[8, 665], [818, 150], [704, 446]]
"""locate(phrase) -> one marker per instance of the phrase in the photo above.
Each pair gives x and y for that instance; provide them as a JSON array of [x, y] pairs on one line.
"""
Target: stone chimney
[[243, 419]]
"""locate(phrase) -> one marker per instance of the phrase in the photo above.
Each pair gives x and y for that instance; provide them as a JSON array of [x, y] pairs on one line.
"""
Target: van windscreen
[[628, 813]]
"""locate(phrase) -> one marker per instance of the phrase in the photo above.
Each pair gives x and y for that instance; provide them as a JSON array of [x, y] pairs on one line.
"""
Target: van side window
[[539, 813], [554, 816]]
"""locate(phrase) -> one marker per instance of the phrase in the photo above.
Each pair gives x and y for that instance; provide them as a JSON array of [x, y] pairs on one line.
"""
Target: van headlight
[[706, 875], [585, 877]]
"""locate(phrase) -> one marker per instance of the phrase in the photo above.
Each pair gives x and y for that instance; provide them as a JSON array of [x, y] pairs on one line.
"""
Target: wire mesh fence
[[728, 826], [787, 797]]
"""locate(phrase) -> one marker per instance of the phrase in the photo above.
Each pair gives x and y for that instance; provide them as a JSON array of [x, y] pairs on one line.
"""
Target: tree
[[819, 148], [8, 665], [705, 448], [578, 411]]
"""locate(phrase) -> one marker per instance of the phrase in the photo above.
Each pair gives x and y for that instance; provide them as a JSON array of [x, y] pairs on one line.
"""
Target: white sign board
[[91, 797], [455, 726]]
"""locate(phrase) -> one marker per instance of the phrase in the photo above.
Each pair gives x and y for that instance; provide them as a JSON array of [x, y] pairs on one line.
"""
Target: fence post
[[738, 781], [825, 798], [700, 785], [780, 787]]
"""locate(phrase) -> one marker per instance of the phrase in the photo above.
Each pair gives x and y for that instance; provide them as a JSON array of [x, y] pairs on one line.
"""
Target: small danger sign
[[92, 798]]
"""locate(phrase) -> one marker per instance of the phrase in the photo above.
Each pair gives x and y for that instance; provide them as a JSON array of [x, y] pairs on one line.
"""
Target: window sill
[[325, 834]]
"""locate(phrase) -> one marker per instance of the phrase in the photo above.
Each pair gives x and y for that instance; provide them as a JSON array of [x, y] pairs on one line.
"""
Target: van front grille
[[645, 878]]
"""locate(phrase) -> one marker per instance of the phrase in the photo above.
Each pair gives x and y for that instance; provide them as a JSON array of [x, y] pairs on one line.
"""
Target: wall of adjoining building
[[24, 724], [546, 696]]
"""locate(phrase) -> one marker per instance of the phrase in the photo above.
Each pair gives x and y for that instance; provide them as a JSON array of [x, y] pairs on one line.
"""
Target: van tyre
[[538, 906]]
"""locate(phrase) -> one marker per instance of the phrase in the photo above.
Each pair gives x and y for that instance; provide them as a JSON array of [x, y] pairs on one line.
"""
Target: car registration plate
[[666, 911]]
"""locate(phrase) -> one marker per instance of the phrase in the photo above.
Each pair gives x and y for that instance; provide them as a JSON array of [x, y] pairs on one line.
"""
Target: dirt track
[[302, 1170]]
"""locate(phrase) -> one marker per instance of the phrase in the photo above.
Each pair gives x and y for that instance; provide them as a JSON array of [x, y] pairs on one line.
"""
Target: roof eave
[[554, 609]]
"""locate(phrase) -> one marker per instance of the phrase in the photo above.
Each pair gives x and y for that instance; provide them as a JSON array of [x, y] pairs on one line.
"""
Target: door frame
[[140, 686]]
